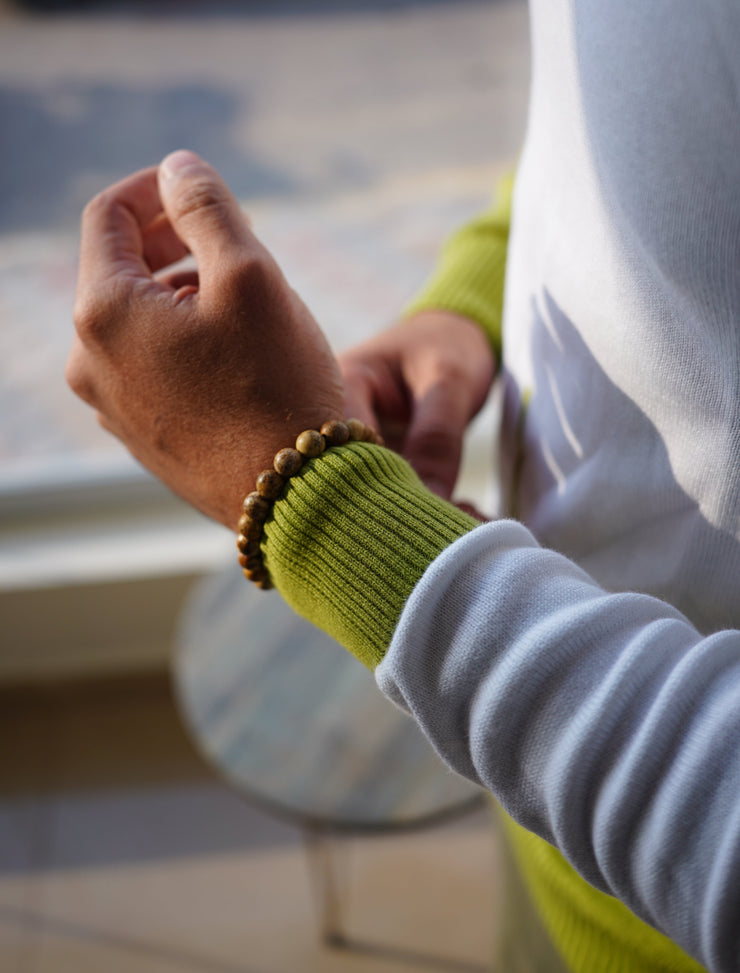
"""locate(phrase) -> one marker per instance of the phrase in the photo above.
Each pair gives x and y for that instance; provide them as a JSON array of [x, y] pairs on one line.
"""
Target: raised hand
[[203, 375]]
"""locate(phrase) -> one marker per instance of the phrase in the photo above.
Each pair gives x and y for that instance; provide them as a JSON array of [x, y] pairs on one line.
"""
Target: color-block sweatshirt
[[582, 661]]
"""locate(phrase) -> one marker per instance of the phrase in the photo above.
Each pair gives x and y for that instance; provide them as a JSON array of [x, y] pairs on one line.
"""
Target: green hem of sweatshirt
[[350, 537], [590, 929]]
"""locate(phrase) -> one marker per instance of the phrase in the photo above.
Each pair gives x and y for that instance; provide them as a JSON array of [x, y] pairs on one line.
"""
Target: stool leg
[[322, 866]]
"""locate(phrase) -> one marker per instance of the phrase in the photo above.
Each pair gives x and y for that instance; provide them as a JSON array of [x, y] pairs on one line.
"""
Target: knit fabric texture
[[349, 539]]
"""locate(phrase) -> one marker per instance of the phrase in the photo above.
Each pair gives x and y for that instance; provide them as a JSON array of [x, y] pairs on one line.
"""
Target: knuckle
[[253, 271], [89, 313], [99, 205], [96, 311], [251, 278], [355, 372], [436, 441], [196, 197], [78, 377], [448, 373]]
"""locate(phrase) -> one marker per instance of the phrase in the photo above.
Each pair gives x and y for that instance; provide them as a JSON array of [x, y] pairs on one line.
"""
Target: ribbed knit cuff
[[469, 279], [349, 539]]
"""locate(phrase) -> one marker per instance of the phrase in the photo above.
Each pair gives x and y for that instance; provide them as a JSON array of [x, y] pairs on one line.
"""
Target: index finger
[[434, 441], [112, 228]]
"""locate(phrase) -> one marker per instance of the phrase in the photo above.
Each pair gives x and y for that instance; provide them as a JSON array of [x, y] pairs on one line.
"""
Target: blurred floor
[[119, 851]]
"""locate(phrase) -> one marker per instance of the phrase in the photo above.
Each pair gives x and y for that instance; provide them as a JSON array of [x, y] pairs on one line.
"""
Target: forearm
[[604, 723]]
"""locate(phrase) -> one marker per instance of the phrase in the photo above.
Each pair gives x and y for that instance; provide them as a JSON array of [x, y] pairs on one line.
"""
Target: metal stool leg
[[326, 883]]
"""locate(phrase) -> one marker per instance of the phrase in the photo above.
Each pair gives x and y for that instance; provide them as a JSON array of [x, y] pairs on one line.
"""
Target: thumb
[[434, 441], [202, 211]]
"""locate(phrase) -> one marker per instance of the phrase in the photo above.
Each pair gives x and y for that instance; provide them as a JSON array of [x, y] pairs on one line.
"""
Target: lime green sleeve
[[469, 278], [350, 537], [353, 533]]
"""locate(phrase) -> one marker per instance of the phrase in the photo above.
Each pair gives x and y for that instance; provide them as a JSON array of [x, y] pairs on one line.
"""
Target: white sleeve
[[603, 722]]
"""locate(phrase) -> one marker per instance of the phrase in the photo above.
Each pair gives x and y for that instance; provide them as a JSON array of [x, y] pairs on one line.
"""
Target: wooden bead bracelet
[[258, 504]]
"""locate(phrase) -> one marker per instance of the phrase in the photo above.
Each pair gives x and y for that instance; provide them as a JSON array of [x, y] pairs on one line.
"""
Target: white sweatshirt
[[608, 722]]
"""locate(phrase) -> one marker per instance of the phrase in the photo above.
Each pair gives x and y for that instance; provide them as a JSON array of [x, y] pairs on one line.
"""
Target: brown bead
[[249, 528], [356, 430], [335, 432], [257, 573], [310, 443], [287, 462], [264, 583], [250, 560], [256, 506], [248, 546], [270, 484]]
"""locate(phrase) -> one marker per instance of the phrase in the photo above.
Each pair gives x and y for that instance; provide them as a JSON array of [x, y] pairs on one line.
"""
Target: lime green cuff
[[349, 539], [469, 279]]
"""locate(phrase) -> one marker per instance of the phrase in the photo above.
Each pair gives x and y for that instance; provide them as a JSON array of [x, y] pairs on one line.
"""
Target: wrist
[[350, 537], [272, 482]]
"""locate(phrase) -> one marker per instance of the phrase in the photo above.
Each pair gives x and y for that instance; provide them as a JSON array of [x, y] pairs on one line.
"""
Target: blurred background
[[358, 134]]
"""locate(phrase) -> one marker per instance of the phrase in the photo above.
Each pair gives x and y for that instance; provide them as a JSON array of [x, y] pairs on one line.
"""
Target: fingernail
[[177, 162]]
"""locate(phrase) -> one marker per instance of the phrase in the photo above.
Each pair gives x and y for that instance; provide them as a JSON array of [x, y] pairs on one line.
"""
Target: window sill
[[94, 571]]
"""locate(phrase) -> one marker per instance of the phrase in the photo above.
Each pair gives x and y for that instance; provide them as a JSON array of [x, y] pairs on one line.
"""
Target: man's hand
[[204, 375], [420, 383]]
